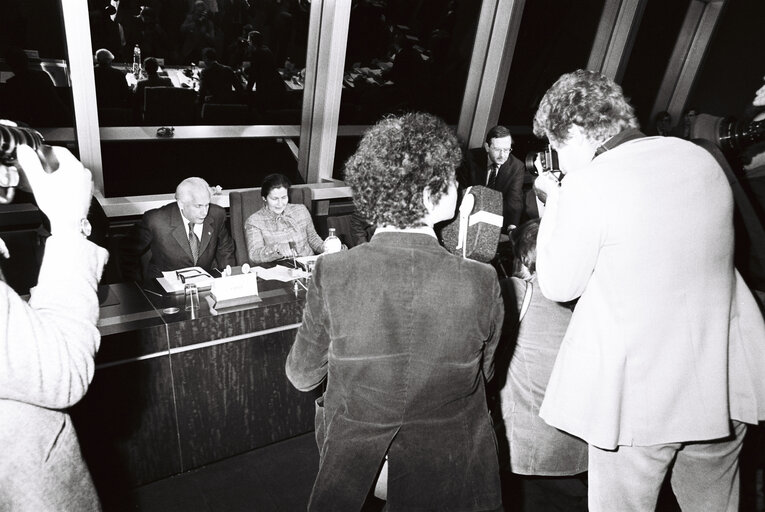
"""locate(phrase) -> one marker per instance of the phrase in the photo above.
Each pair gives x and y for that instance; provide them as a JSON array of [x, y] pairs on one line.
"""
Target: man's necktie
[[193, 243], [492, 176]]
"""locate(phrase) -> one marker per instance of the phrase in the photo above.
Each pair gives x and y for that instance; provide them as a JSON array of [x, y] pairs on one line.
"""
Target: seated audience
[[30, 95], [404, 334], [112, 90], [262, 72], [189, 232], [536, 448], [151, 66], [217, 83], [280, 229], [197, 32]]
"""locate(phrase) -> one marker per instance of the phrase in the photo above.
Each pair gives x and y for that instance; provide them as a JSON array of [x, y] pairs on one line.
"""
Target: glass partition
[[138, 167], [403, 55], [555, 37], [35, 86], [199, 62], [659, 29]]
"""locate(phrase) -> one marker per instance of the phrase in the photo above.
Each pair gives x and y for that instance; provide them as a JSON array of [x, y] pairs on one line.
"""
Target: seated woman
[[280, 229], [536, 448]]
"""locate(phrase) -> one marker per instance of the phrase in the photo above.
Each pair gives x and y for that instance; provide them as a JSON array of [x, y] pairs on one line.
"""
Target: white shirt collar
[[423, 230], [198, 228]]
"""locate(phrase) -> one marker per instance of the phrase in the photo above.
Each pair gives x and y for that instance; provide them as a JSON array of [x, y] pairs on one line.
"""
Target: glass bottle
[[137, 62], [332, 243]]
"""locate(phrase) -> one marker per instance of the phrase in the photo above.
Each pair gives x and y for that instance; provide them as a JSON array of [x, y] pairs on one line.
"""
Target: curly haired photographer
[[661, 364], [48, 348]]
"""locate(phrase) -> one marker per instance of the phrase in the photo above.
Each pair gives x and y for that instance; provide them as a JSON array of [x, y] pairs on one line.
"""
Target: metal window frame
[[618, 27], [701, 21], [498, 25]]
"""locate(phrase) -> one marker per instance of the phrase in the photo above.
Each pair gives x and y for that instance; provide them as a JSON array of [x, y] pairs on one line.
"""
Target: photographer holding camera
[[48, 346], [662, 363]]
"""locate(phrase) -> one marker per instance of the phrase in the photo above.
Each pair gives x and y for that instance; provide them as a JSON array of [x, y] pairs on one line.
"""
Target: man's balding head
[[193, 196]]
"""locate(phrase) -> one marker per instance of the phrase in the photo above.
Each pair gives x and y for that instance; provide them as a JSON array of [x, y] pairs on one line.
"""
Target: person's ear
[[427, 199]]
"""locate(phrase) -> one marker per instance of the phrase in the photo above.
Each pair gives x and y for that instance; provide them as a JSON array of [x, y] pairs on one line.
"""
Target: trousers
[[704, 475]]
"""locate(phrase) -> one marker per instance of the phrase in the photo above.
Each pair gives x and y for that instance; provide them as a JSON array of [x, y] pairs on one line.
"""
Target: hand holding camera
[[63, 196]]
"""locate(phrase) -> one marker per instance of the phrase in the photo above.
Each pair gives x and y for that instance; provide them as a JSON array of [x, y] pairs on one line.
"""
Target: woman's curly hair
[[396, 160], [587, 99]]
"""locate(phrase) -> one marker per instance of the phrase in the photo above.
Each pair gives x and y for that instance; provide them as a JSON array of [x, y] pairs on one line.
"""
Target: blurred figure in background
[[537, 326], [112, 90], [30, 96]]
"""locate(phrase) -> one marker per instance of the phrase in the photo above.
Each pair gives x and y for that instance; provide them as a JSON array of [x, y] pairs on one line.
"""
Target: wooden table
[[175, 391]]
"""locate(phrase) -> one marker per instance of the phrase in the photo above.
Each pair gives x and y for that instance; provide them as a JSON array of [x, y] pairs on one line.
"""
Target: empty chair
[[170, 105]]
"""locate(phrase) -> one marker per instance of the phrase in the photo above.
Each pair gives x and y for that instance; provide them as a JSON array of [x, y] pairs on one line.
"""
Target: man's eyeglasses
[[501, 150]]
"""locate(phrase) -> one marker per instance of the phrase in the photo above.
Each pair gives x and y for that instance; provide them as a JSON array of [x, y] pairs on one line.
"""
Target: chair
[[243, 204], [222, 113], [169, 105], [343, 228]]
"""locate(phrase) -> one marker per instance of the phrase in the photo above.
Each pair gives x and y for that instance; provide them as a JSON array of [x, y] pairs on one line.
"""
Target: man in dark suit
[[189, 232], [111, 87], [151, 65], [493, 166], [218, 83]]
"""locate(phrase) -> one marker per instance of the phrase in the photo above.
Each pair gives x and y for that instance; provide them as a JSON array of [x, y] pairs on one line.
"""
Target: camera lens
[[530, 167]]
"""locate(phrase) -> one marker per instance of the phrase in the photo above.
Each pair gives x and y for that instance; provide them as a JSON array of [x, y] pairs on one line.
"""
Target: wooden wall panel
[[235, 397]]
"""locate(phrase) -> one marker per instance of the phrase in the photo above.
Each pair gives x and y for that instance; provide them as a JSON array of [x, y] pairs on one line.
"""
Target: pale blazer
[[47, 350], [643, 235]]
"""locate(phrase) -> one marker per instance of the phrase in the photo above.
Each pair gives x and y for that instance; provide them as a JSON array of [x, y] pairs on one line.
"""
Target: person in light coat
[[661, 366], [47, 350]]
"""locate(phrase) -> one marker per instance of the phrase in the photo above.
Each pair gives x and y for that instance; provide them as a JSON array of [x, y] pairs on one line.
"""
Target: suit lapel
[[178, 231], [503, 174], [207, 231]]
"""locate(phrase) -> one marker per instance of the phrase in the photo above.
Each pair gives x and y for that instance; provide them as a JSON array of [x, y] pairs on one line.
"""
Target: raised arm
[[49, 344]]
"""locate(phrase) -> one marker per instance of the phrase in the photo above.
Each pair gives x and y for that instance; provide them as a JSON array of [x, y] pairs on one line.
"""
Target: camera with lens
[[12, 137], [548, 162], [730, 134]]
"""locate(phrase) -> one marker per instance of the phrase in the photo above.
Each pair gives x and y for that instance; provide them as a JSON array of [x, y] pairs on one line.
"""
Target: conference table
[[174, 389]]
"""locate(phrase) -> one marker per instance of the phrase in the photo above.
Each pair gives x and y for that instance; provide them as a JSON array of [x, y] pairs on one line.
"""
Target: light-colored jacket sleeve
[[570, 239], [257, 250], [49, 344]]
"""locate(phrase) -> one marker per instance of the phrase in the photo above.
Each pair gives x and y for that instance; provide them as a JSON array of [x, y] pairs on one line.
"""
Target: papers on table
[[281, 273], [173, 281]]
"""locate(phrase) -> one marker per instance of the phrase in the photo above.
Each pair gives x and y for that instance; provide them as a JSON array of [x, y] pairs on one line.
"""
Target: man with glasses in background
[[493, 166]]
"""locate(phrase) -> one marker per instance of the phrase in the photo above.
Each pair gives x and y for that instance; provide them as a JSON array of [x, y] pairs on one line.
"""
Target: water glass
[[192, 296]]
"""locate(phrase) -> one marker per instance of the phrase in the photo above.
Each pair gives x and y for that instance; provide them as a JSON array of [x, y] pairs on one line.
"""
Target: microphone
[[293, 249]]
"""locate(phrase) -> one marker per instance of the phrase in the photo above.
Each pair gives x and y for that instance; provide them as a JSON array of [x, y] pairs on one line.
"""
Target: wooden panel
[[279, 308], [127, 425], [235, 397]]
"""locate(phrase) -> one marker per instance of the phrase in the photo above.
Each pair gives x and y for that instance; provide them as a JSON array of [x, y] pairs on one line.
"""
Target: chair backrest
[[343, 228], [170, 105], [245, 203]]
